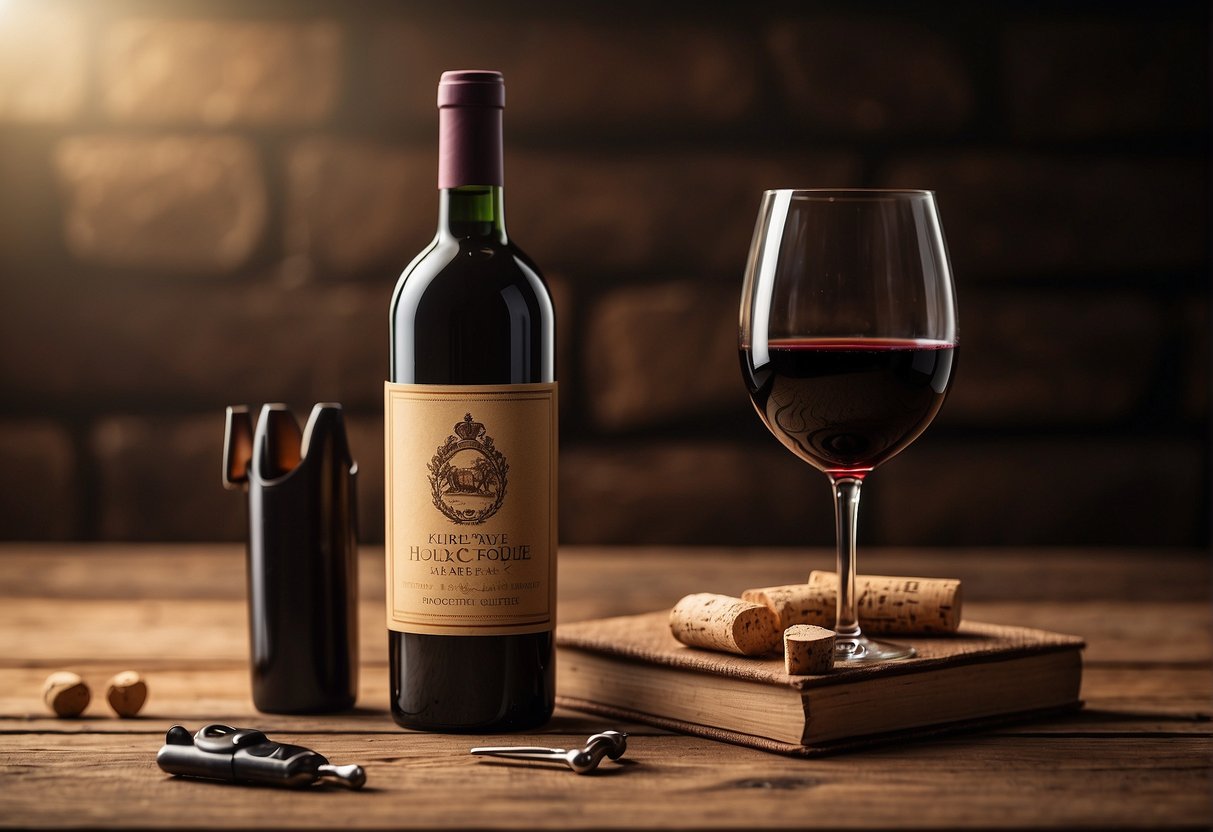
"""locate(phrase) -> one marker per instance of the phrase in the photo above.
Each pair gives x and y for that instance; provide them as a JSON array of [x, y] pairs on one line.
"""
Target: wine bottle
[[470, 435]]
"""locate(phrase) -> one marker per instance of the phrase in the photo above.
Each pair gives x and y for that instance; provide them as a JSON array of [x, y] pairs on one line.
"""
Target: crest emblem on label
[[467, 474]]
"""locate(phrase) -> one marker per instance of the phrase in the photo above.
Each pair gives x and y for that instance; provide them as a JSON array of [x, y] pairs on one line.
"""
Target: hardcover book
[[632, 668]]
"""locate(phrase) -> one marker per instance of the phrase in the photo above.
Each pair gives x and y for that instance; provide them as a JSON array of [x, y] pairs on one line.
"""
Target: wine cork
[[886, 604], [807, 650], [720, 622], [126, 693], [889, 604], [65, 693], [797, 604]]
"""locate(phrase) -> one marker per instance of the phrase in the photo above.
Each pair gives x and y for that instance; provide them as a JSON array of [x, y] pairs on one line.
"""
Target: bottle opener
[[245, 755]]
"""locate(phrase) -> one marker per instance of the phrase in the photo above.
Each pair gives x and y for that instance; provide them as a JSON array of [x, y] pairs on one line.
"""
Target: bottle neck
[[470, 172], [472, 211]]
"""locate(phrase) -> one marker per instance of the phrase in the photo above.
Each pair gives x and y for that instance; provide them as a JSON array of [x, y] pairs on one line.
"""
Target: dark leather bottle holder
[[302, 555]]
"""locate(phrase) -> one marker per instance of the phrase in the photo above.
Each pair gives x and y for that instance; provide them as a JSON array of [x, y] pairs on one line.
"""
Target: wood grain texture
[[1164, 700], [170, 571], [1138, 756], [153, 631], [419, 781]]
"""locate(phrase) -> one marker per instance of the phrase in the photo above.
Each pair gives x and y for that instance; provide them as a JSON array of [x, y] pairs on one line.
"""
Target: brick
[[197, 204], [1096, 78], [31, 227], [42, 64], [1083, 360], [1023, 215], [686, 210], [1071, 490], [1193, 373], [193, 345], [572, 76], [1037, 358], [870, 77], [687, 492], [354, 206], [663, 353], [220, 72], [39, 486], [159, 479]]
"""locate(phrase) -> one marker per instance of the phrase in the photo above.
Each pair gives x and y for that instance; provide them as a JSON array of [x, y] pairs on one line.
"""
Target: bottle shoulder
[[472, 312], [452, 272]]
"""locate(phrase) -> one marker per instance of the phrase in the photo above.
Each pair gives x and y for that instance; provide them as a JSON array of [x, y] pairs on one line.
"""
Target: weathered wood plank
[[428, 781], [1139, 756], [1152, 700], [49, 632], [648, 578]]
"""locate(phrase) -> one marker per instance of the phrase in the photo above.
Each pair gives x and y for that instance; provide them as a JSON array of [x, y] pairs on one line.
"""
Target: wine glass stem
[[846, 518]]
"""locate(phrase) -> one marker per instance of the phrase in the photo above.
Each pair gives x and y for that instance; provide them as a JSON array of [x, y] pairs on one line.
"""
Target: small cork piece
[[889, 604], [721, 622], [65, 693], [126, 693], [808, 650], [797, 604]]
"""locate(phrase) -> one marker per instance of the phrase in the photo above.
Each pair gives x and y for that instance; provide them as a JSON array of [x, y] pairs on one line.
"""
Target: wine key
[[581, 760], [245, 755]]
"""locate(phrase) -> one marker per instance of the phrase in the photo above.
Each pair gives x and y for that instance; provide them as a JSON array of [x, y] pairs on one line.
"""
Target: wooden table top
[[1139, 755]]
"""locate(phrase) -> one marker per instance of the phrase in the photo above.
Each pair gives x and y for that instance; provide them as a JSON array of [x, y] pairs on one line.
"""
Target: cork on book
[[808, 650], [797, 603], [891, 605], [721, 622]]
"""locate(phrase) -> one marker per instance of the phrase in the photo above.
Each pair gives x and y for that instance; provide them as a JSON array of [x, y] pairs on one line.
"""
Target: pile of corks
[[800, 614], [67, 695]]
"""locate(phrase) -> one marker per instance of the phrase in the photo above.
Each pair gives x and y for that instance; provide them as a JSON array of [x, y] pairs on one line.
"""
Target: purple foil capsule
[[470, 105]]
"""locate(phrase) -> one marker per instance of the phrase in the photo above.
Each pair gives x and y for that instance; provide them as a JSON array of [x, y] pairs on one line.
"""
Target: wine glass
[[848, 343]]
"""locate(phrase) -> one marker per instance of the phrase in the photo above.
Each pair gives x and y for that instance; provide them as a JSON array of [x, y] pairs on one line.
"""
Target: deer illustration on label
[[467, 474]]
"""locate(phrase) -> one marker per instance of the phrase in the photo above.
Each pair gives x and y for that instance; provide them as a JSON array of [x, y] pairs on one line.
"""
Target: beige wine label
[[471, 508]]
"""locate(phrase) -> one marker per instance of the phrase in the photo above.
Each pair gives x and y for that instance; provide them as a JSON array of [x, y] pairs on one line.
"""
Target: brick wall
[[209, 203]]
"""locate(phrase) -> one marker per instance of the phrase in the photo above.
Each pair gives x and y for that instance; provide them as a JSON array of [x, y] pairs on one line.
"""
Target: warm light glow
[[42, 62]]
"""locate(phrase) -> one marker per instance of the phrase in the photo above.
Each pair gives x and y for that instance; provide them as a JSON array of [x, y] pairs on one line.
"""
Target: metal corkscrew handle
[[351, 776], [611, 744]]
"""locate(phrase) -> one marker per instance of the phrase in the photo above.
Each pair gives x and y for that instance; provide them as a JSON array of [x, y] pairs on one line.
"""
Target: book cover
[[632, 668]]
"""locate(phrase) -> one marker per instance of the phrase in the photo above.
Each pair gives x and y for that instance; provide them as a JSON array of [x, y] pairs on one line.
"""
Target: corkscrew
[[245, 755], [581, 760]]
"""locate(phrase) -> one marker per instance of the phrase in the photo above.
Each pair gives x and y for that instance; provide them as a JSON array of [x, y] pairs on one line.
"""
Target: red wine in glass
[[847, 405]]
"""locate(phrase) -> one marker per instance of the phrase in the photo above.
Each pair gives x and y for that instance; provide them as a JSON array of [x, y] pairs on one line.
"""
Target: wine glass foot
[[862, 650]]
